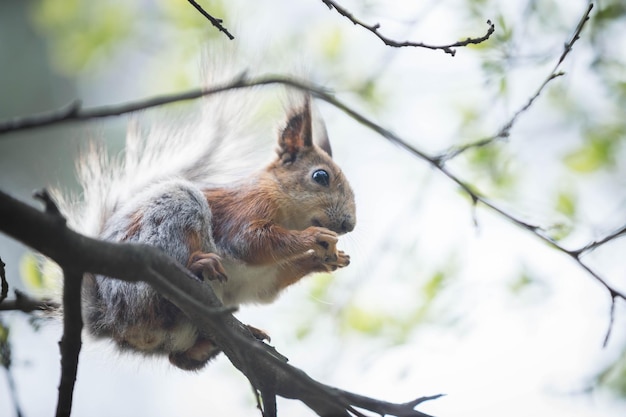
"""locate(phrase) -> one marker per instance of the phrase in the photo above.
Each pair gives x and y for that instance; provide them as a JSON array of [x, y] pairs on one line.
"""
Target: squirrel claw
[[325, 243], [341, 260], [259, 334], [207, 266]]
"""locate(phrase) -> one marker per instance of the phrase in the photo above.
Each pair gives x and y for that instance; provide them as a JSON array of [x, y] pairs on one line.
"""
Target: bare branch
[[26, 304], [77, 114], [4, 285], [267, 370], [6, 362], [214, 21], [597, 243], [505, 130], [448, 49], [71, 343], [611, 321]]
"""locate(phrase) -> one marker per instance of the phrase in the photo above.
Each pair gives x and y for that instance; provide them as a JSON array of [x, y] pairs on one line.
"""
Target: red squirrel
[[248, 239]]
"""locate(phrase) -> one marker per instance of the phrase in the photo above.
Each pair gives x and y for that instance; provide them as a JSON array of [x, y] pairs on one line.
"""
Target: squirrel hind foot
[[196, 357], [207, 266], [259, 334]]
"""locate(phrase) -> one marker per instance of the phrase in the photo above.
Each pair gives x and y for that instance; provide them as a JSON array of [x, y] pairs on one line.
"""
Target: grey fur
[[133, 314]]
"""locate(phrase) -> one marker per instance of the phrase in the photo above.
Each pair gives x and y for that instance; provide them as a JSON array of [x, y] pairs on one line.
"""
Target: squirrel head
[[313, 189]]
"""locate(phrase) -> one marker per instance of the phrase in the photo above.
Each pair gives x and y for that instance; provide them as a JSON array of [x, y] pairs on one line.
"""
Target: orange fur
[[135, 225]]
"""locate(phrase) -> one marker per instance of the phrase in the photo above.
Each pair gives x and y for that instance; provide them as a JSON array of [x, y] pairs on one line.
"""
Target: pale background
[[431, 303]]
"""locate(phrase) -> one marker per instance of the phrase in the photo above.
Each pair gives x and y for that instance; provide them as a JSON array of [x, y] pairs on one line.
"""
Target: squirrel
[[249, 239]]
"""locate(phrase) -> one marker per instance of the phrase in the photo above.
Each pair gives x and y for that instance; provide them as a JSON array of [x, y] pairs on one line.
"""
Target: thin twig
[[611, 321], [597, 243], [4, 285], [505, 130], [13, 392], [214, 21], [27, 304], [448, 49], [6, 360]]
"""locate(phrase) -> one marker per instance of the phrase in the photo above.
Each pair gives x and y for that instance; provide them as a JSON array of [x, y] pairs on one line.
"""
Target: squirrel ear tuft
[[321, 136], [297, 134]]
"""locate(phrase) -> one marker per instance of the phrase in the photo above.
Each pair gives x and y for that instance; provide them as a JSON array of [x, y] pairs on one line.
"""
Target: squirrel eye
[[321, 177]]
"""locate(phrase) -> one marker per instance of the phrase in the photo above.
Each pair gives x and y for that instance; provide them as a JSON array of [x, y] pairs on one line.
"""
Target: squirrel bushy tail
[[214, 146]]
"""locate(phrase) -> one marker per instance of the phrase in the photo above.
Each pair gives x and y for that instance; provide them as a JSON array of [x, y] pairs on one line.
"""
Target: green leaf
[[39, 277], [364, 321], [566, 203], [31, 273], [4, 333], [521, 283], [560, 231], [433, 286], [321, 283], [332, 43], [614, 377], [5, 347], [593, 155]]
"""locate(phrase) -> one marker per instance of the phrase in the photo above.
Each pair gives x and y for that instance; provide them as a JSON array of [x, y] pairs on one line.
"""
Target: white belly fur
[[247, 284]]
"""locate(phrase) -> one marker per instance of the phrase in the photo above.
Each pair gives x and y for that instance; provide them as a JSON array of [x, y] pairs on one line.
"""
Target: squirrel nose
[[347, 225]]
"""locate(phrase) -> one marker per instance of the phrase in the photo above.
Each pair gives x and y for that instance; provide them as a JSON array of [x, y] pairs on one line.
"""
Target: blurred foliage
[[41, 277], [82, 32], [87, 36], [496, 166], [601, 143], [614, 376], [595, 126], [566, 203], [396, 326], [602, 132], [5, 347]]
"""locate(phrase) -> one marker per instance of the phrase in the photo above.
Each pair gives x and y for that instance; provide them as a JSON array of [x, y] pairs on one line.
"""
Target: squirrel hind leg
[[207, 266], [196, 357], [142, 338]]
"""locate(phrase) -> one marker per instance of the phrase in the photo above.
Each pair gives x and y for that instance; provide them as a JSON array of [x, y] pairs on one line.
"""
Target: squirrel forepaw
[[207, 266], [341, 260]]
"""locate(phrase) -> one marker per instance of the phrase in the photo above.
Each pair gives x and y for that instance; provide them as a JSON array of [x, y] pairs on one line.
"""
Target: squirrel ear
[[297, 134], [321, 136]]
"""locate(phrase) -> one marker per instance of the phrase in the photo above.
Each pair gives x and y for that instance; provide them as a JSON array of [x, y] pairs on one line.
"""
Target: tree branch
[[448, 49], [267, 370], [214, 21], [74, 111], [597, 243], [4, 285], [26, 304], [71, 343], [5, 362]]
